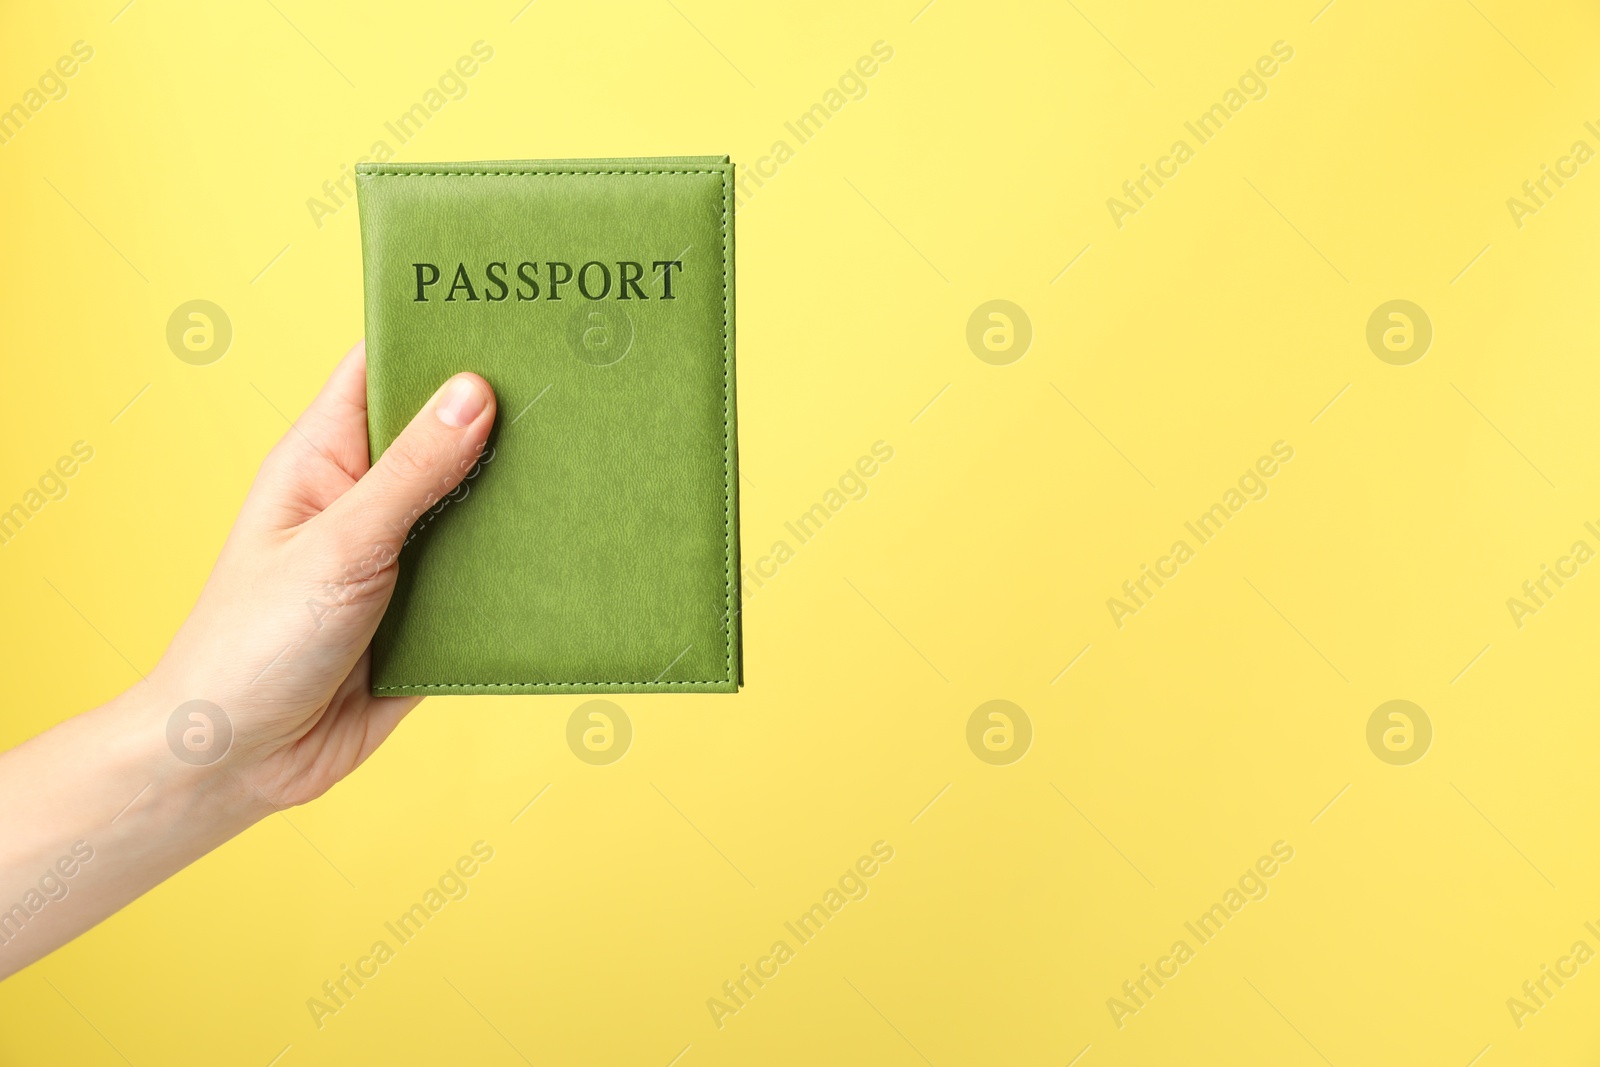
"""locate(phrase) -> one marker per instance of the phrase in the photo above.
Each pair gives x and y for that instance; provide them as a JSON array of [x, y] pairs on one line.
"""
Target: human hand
[[278, 643], [279, 639]]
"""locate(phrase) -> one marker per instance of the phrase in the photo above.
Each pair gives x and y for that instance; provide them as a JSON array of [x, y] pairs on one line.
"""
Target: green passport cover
[[595, 547]]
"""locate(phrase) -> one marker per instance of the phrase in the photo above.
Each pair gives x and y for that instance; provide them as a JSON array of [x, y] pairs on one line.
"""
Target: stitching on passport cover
[[727, 426], [521, 173]]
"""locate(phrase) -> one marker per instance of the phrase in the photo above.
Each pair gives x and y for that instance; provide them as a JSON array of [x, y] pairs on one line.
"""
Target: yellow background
[[1222, 317]]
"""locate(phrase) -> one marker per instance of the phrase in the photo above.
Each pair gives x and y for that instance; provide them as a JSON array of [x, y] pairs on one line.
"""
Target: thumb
[[427, 460]]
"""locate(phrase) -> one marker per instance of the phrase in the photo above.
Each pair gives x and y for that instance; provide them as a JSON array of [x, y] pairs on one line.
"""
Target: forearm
[[98, 810]]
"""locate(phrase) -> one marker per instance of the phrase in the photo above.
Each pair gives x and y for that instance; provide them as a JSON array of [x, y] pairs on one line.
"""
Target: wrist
[[184, 747]]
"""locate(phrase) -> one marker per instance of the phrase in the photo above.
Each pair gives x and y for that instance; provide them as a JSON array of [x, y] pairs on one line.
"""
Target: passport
[[594, 548]]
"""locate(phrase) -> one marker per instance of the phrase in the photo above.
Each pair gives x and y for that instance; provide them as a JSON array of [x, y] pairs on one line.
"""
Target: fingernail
[[460, 401]]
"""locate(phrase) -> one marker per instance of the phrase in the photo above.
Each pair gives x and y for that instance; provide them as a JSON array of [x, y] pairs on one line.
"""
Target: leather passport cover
[[595, 547]]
